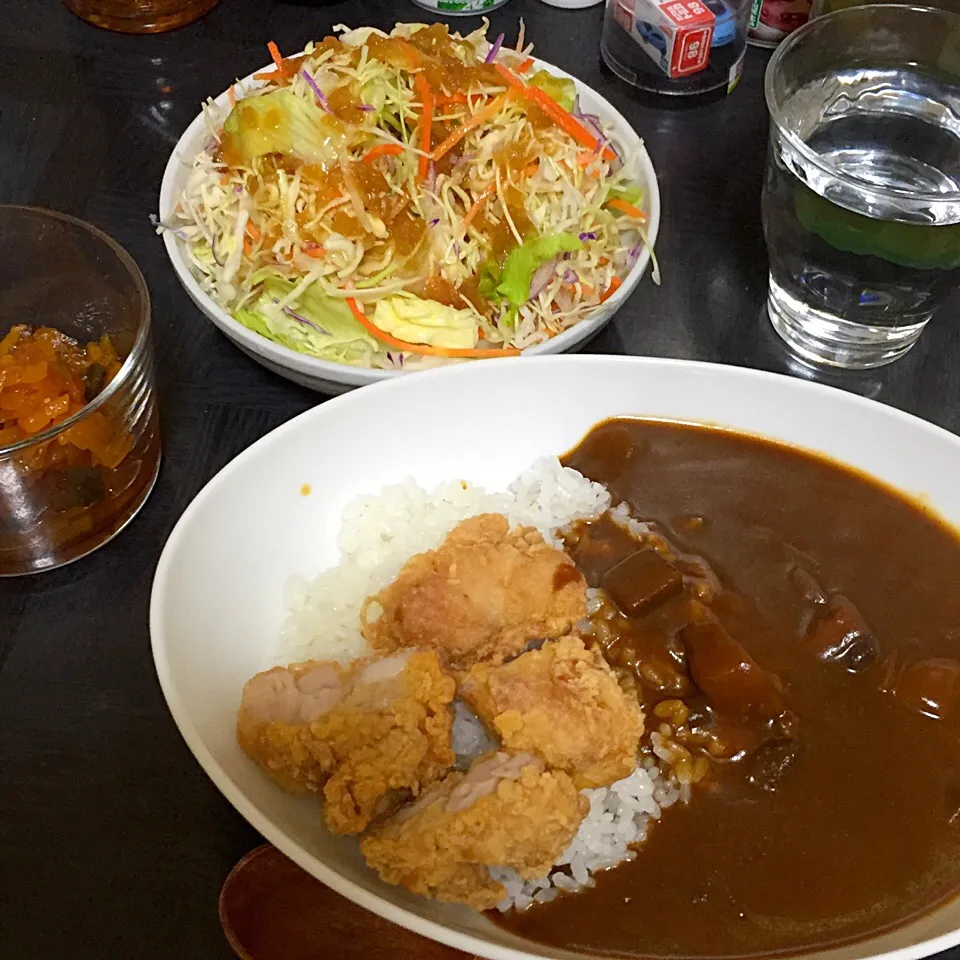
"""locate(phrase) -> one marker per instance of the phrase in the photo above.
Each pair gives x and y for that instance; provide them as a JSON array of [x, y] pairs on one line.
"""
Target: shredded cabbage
[[316, 188], [311, 323]]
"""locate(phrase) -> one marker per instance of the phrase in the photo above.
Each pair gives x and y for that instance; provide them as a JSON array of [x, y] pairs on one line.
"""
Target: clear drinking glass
[[140, 16], [78, 476], [822, 7], [861, 199]]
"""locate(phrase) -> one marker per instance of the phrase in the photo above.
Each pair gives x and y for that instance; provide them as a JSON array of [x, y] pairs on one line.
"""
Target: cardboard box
[[676, 34]]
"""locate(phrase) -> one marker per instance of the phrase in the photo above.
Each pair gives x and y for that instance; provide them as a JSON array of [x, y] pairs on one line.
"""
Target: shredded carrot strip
[[253, 231], [557, 114], [526, 65], [317, 252], [426, 124], [267, 75], [445, 99], [382, 150], [615, 285], [275, 56], [603, 261], [585, 158], [481, 116], [247, 245], [477, 204], [424, 349], [511, 78], [628, 208], [232, 95], [224, 180]]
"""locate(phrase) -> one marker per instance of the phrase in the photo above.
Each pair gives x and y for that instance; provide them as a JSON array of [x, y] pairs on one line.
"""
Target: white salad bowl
[[327, 377], [217, 602]]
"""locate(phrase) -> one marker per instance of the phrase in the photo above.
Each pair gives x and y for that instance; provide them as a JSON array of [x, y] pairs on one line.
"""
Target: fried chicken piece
[[274, 722], [563, 704], [482, 596], [507, 811], [391, 733], [365, 737]]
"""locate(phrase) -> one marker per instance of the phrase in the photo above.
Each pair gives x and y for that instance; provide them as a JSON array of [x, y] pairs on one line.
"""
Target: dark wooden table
[[113, 843]]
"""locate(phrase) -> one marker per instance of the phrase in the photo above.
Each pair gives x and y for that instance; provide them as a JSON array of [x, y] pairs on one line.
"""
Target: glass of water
[[861, 199]]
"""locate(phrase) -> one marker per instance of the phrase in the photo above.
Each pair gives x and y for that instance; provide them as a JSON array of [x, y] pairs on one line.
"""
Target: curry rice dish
[[692, 694]]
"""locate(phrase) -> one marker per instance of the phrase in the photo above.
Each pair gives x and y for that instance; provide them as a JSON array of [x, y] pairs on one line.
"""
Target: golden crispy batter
[[362, 736], [482, 596], [563, 704], [387, 735], [508, 811], [273, 722]]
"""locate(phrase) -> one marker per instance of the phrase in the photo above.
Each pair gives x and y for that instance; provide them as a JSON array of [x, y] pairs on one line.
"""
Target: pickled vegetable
[[45, 378]]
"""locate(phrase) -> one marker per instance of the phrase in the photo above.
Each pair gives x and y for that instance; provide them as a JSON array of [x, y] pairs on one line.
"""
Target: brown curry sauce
[[832, 812]]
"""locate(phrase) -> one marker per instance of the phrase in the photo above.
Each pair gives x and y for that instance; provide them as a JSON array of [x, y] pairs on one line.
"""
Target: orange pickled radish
[[35, 421], [46, 377], [34, 372]]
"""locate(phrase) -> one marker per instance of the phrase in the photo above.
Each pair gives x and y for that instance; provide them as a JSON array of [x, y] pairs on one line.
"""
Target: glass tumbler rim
[[140, 343], [810, 156]]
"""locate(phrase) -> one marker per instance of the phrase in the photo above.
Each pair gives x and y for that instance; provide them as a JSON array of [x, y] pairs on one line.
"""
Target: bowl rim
[[374, 902], [359, 376], [920, 17], [140, 342]]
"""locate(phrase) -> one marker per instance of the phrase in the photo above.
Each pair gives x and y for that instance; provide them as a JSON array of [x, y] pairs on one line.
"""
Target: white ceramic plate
[[330, 377], [217, 597]]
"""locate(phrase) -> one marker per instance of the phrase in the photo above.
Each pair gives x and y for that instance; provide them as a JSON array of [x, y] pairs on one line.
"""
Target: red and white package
[[675, 33]]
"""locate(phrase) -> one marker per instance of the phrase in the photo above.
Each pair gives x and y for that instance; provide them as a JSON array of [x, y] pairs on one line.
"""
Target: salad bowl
[[331, 377]]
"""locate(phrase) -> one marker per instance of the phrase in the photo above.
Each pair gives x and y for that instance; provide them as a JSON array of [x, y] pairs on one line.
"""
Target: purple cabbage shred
[[305, 320], [494, 50], [322, 100]]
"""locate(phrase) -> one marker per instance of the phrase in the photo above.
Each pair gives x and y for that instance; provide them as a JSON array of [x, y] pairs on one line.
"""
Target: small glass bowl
[[68, 488], [140, 16]]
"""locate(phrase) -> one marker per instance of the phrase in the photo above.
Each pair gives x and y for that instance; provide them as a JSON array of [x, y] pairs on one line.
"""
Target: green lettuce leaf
[[632, 195], [281, 122], [415, 320], [327, 330], [512, 283], [562, 90]]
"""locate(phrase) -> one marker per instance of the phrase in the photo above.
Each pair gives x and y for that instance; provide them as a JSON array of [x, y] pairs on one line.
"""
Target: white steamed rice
[[382, 531], [379, 534], [616, 823]]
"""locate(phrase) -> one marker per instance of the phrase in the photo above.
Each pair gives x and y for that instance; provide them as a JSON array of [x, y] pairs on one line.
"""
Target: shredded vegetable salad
[[400, 200]]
